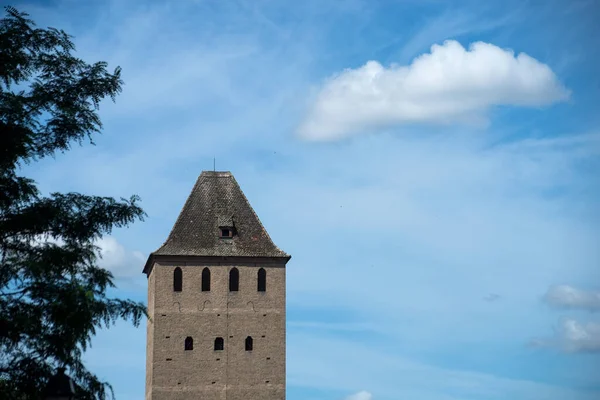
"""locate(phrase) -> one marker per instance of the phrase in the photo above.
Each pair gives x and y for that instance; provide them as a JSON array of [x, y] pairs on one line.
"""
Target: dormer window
[[226, 226], [226, 232]]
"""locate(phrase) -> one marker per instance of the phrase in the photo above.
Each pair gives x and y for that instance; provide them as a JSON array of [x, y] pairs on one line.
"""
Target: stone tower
[[216, 299]]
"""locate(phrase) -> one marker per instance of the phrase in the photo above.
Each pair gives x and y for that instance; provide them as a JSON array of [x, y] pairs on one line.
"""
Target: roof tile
[[217, 201]]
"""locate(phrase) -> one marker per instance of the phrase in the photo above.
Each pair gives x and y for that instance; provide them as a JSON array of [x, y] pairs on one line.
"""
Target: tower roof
[[216, 202]]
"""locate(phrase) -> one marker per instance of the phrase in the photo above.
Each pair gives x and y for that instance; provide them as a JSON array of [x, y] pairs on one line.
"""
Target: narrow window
[[189, 343], [262, 280], [219, 343], [234, 280], [249, 343], [177, 279], [206, 280]]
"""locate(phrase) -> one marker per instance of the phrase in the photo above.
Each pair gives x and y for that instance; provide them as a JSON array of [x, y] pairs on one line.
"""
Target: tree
[[52, 291]]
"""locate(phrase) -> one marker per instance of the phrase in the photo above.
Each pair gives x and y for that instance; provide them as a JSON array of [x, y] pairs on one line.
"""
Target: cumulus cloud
[[574, 337], [360, 396], [565, 296], [448, 85]]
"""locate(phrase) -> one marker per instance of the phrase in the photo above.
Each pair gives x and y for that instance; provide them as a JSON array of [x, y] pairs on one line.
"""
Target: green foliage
[[52, 292]]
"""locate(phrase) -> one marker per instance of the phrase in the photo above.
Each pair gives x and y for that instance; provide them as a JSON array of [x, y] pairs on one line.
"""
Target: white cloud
[[360, 396], [565, 296], [573, 337], [117, 259], [112, 255], [448, 85], [580, 337]]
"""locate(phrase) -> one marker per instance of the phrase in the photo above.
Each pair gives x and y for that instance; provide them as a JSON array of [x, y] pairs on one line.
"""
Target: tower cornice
[[213, 260]]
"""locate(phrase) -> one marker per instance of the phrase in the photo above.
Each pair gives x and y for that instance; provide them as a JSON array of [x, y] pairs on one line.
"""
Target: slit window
[[177, 280], [189, 343], [249, 343], [262, 280], [206, 280], [219, 344], [234, 280]]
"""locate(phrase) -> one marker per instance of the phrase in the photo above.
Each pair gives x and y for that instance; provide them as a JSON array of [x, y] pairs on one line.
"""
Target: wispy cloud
[[448, 85], [492, 297], [347, 365], [339, 327], [360, 396], [452, 24], [464, 219]]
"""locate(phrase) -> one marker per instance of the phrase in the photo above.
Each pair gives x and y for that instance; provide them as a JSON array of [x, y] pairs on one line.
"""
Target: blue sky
[[440, 203]]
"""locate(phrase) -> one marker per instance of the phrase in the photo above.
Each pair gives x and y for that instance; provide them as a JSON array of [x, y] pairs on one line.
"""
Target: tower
[[216, 299]]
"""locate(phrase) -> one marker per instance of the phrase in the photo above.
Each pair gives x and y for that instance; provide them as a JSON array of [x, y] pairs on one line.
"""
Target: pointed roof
[[217, 201]]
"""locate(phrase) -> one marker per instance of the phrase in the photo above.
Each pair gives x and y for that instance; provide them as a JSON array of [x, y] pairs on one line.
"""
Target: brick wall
[[203, 373]]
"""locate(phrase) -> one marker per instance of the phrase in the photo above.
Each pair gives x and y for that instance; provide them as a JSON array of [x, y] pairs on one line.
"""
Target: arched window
[[262, 280], [219, 343], [206, 280], [249, 343], [189, 343], [177, 279], [234, 280]]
